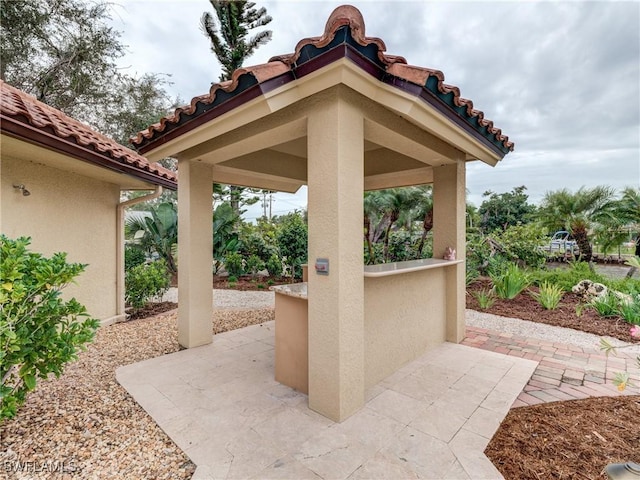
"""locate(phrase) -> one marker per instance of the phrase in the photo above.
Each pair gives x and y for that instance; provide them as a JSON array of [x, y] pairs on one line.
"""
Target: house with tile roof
[[61, 184], [342, 116]]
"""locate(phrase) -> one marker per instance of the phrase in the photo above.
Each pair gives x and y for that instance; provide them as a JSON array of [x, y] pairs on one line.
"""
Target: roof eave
[[28, 133]]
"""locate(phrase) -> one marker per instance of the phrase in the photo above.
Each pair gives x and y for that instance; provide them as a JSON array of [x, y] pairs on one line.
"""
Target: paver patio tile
[[528, 399], [286, 468], [543, 395], [397, 406], [382, 467], [439, 422], [484, 422], [468, 447]]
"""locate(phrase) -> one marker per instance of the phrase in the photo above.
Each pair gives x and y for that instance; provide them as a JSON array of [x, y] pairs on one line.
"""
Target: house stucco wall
[[69, 213]]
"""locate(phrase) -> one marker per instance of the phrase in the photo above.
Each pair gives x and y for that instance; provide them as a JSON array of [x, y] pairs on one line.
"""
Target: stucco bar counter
[[405, 303]]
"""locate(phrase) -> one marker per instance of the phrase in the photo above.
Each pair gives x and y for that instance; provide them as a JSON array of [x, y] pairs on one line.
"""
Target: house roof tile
[[25, 117], [345, 25]]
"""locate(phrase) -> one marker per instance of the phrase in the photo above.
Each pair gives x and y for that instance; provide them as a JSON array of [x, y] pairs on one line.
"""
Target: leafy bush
[[274, 265], [606, 305], [39, 332], [549, 295], [234, 264], [292, 241], [133, 257], [254, 265], [630, 310], [509, 282], [566, 278], [522, 242], [144, 282], [485, 297]]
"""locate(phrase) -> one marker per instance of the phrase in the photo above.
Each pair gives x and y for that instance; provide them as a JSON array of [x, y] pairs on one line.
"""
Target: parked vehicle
[[563, 243]]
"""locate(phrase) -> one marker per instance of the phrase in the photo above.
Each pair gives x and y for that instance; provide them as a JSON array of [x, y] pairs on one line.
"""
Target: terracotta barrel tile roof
[[345, 26], [33, 121]]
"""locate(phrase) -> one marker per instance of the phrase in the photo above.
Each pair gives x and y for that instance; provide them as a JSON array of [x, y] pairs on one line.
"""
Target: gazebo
[[342, 117]]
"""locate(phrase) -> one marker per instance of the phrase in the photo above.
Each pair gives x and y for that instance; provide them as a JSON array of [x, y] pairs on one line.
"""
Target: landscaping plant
[[549, 295], [234, 264], [510, 281], [39, 331], [485, 297], [144, 282]]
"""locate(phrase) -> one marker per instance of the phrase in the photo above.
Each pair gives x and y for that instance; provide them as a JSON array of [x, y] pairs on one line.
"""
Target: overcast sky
[[562, 80]]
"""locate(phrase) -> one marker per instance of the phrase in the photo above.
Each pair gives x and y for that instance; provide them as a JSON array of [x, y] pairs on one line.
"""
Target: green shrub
[[270, 282], [509, 282], [39, 331], [485, 297], [549, 295], [133, 257], [630, 311], [567, 278], [274, 266], [261, 286], [522, 242], [254, 264], [234, 264], [144, 282], [292, 241], [232, 279], [606, 305]]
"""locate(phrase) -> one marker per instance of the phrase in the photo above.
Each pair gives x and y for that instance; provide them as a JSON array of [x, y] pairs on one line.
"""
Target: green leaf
[[29, 381]]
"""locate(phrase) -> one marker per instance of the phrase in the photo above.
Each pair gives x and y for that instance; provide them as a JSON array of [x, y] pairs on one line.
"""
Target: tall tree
[[577, 213], [501, 210], [64, 53], [228, 33]]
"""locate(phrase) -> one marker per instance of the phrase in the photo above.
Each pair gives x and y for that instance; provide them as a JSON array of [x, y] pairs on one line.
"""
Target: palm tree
[[159, 232], [577, 213], [229, 43], [228, 36]]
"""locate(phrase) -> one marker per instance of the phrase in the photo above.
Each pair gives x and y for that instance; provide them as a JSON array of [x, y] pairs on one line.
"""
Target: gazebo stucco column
[[195, 253], [336, 301], [449, 207]]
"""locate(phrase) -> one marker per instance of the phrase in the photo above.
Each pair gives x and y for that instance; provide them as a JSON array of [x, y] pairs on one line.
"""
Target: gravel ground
[[231, 299]]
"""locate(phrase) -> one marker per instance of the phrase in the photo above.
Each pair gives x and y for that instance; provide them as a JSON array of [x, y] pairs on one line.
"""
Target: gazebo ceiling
[[253, 128]]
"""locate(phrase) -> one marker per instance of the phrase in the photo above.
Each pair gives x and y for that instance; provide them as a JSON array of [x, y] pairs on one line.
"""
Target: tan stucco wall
[[69, 213], [404, 315]]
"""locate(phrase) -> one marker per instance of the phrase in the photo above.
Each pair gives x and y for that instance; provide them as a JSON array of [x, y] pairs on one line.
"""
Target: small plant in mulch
[[509, 281], [621, 379], [548, 295], [485, 297]]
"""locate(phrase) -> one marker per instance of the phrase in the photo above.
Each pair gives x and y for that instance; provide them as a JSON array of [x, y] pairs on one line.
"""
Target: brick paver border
[[564, 372]]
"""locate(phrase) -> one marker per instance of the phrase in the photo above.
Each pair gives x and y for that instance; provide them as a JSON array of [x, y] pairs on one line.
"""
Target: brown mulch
[[564, 440], [574, 439], [525, 307], [152, 309]]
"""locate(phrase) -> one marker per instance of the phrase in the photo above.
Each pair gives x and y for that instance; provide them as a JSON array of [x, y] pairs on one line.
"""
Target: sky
[[561, 79]]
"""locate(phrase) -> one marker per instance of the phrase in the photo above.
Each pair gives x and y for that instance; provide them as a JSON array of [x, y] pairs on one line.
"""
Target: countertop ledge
[[398, 268]]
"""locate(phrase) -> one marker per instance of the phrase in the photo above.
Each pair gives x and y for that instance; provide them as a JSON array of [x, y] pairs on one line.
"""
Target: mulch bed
[[567, 440], [525, 307], [152, 309]]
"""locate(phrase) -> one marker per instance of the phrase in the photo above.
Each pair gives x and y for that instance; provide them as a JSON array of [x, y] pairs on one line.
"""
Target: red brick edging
[[564, 372]]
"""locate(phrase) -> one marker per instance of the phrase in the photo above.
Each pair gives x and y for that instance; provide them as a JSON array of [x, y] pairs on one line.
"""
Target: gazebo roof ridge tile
[[394, 66]]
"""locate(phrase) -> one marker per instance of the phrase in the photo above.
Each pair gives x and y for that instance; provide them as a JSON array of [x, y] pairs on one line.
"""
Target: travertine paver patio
[[564, 372], [431, 419]]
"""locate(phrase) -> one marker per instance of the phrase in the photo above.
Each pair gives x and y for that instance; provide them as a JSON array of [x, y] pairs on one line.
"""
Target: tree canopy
[[64, 53], [229, 30], [501, 210]]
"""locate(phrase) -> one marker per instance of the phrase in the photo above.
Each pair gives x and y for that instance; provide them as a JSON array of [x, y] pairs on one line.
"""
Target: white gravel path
[[231, 299]]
